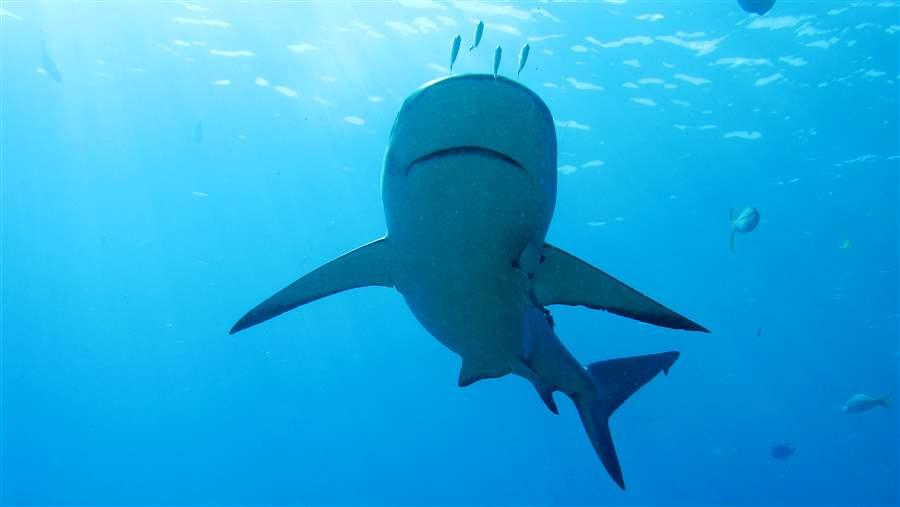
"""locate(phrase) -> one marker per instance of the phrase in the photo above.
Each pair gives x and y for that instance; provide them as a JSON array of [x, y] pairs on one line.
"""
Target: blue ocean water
[[186, 160]]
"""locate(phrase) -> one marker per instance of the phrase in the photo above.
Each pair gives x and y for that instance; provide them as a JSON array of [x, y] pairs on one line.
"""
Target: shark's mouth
[[467, 150]]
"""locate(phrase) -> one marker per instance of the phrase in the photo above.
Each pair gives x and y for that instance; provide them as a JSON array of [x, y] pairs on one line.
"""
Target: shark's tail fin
[[615, 381]]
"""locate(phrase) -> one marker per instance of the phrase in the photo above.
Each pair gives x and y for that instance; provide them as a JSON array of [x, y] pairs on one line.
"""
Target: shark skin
[[469, 189]]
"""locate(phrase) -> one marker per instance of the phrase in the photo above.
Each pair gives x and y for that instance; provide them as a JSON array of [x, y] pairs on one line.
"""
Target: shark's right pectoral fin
[[368, 265], [563, 279]]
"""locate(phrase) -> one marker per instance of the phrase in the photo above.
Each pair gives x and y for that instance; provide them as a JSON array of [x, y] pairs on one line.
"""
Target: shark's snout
[[475, 115]]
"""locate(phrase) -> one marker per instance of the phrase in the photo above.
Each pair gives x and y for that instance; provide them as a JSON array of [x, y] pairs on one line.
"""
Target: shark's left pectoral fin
[[563, 279], [368, 265]]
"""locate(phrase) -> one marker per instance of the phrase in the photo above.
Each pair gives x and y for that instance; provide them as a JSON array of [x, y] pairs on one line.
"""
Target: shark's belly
[[460, 226], [473, 322]]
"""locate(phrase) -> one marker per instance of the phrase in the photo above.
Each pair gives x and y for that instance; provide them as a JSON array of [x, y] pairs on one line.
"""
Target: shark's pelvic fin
[[563, 279], [365, 266], [472, 371], [615, 381]]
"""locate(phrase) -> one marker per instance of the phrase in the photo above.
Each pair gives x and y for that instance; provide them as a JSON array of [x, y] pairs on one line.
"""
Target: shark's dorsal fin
[[563, 279], [368, 265]]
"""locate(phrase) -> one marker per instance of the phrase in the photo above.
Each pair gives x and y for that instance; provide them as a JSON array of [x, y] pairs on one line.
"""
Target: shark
[[469, 186]]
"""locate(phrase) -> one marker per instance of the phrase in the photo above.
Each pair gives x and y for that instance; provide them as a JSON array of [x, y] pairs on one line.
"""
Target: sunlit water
[[166, 166]]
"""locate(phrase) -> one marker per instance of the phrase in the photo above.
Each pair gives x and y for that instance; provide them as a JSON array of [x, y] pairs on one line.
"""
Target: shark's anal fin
[[563, 279], [546, 394], [365, 266], [543, 388]]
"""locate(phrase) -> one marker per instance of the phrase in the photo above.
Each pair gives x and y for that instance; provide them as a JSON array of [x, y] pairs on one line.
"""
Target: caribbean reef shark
[[469, 188]]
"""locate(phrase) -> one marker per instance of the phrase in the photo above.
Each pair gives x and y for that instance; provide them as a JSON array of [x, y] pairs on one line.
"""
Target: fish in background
[[49, 65], [746, 221], [863, 403], [782, 451], [479, 32], [757, 6], [498, 54], [523, 57], [454, 51], [198, 132]]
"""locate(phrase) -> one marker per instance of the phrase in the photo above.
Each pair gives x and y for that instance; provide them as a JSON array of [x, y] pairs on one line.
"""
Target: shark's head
[[472, 123]]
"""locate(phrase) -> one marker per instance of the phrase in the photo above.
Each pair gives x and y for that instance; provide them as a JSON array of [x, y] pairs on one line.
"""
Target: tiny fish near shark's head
[[473, 135]]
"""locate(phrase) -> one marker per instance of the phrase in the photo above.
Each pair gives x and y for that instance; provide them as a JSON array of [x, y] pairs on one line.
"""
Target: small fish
[[782, 451], [498, 53], [523, 57], [745, 222], [479, 31], [845, 244], [863, 402], [756, 6], [758, 332], [198, 132], [454, 51], [49, 65]]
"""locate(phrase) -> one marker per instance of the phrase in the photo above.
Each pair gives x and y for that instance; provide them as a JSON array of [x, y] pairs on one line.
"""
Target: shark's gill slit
[[467, 150]]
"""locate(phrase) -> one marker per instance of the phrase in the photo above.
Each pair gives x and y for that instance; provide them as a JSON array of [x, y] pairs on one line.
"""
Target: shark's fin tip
[[568, 280], [367, 265]]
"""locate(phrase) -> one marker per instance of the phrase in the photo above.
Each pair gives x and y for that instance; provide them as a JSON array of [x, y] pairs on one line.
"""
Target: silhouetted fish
[[744, 222], [863, 402], [523, 57], [782, 451], [198, 132], [479, 31], [454, 51], [49, 65]]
